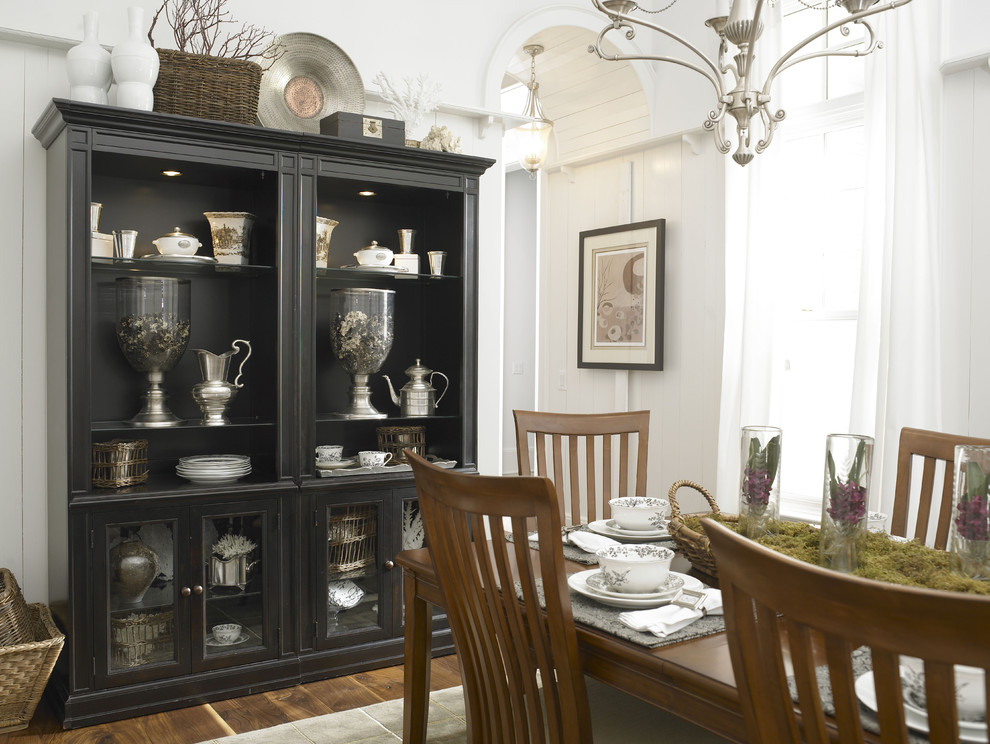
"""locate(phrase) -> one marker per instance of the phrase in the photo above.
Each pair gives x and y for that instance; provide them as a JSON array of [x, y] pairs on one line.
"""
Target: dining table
[[692, 679]]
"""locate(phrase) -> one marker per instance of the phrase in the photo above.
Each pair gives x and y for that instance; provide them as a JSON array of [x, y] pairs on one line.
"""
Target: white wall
[[666, 179]]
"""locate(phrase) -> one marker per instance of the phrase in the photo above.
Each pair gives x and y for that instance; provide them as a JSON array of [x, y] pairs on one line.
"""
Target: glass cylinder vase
[[848, 463], [969, 536], [759, 483], [152, 333], [361, 332]]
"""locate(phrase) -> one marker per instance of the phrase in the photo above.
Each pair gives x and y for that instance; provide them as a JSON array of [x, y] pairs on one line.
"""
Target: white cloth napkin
[[589, 541], [666, 620]]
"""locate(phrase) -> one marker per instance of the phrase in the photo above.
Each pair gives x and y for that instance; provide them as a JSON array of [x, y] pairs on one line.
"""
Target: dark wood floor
[[235, 716]]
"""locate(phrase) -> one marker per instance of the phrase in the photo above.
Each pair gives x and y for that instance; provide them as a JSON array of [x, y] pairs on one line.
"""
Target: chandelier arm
[[711, 124], [627, 21], [852, 49], [770, 122], [785, 62]]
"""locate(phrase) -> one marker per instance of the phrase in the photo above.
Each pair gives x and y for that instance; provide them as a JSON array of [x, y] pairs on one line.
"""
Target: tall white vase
[[88, 64], [135, 65]]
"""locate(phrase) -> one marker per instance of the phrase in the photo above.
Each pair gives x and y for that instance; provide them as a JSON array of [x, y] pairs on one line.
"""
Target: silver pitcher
[[214, 393], [416, 398]]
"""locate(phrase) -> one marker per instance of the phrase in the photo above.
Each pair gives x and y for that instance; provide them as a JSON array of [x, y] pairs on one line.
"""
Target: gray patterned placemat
[[574, 553], [606, 618], [861, 664]]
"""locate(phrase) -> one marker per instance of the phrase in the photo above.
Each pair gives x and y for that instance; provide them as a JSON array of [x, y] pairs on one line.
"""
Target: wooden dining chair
[[785, 617], [520, 667], [934, 507], [590, 457]]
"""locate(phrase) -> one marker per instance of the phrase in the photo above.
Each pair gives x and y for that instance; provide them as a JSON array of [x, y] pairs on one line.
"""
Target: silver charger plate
[[313, 79]]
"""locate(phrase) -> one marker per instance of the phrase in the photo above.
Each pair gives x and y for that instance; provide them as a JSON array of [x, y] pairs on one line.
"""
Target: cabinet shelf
[[178, 267], [138, 432], [342, 273]]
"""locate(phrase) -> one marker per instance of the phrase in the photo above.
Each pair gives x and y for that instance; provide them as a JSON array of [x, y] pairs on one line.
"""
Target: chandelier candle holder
[[361, 333], [153, 332], [737, 93], [969, 541], [759, 488], [848, 462]]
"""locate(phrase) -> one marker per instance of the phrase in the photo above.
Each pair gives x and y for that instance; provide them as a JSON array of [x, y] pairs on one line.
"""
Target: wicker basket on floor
[[14, 625], [694, 545], [26, 666], [207, 87]]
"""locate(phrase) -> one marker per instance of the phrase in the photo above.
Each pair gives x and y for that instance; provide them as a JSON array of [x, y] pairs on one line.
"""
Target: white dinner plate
[[379, 269], [211, 641], [215, 459], [579, 583], [345, 463], [672, 585], [600, 526], [614, 526], [915, 717]]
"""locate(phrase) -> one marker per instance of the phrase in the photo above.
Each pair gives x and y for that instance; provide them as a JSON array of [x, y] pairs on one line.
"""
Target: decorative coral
[[231, 546], [441, 138], [417, 98]]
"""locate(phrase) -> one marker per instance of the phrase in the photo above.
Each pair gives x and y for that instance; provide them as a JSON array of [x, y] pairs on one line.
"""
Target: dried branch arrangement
[[200, 26], [415, 100]]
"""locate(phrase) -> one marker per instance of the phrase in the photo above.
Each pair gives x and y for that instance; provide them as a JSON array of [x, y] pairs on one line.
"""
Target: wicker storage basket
[[207, 87], [394, 439], [120, 462], [26, 667], [14, 625], [695, 546], [351, 541], [137, 637]]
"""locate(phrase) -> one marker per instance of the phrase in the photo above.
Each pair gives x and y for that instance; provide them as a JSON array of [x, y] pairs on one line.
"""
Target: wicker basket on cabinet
[[692, 544]]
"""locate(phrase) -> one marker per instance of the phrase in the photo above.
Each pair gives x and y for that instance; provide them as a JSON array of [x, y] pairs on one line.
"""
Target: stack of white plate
[[213, 469]]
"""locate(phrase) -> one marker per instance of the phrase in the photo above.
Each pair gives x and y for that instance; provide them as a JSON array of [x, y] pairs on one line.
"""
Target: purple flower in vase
[[847, 507], [972, 519], [756, 488]]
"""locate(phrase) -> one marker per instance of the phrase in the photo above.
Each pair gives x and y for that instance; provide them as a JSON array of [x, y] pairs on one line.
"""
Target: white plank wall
[[668, 181]]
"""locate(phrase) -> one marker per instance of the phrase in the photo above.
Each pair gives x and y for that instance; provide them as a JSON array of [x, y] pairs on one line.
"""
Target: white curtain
[[897, 378]]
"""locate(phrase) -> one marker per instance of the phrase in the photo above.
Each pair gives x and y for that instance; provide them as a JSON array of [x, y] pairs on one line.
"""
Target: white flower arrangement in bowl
[[231, 546]]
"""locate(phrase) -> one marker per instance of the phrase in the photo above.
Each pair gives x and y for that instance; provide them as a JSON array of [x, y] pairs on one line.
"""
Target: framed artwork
[[620, 297]]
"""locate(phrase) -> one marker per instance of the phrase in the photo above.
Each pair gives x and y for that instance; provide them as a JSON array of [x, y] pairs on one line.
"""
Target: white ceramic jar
[[88, 65]]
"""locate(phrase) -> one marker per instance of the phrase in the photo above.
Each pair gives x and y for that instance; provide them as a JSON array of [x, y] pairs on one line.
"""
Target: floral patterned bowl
[[971, 699], [637, 513], [343, 594], [635, 569]]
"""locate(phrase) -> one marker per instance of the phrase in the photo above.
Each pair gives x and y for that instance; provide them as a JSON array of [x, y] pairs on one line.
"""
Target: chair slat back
[[788, 618], [520, 668], [613, 448], [934, 508]]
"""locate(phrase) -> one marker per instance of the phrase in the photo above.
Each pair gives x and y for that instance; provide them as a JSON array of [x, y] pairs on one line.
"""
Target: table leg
[[418, 645]]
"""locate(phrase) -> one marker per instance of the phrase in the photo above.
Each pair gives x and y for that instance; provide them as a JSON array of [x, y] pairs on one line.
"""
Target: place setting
[[970, 698], [635, 519]]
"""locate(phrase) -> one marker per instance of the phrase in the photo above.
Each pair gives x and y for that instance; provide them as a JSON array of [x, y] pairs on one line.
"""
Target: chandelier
[[533, 137], [736, 92]]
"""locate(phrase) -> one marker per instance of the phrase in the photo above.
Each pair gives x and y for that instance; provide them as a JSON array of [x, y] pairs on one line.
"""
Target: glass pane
[[141, 591], [234, 546], [414, 537], [353, 579]]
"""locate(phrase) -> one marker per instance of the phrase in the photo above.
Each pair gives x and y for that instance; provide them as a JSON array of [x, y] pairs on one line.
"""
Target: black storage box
[[363, 127]]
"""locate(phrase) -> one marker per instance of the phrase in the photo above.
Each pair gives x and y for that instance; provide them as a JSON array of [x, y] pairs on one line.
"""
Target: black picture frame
[[620, 297]]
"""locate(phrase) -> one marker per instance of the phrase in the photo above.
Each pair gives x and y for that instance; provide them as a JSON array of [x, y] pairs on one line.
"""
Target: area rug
[[616, 719]]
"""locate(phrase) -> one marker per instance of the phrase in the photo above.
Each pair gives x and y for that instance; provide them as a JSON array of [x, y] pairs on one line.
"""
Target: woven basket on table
[[692, 544], [207, 87], [25, 665]]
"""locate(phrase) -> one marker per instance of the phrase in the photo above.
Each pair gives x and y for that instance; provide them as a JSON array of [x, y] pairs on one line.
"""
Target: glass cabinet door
[[353, 581], [139, 587], [239, 554]]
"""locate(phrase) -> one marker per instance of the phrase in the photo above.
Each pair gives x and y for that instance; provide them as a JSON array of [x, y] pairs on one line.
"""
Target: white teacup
[[329, 453], [876, 521], [373, 458], [227, 633]]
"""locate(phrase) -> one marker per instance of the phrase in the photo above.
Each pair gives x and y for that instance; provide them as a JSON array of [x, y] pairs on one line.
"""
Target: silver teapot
[[416, 398], [214, 393]]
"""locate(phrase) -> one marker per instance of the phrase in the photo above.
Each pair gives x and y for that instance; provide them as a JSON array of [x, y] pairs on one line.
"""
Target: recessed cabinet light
[[171, 173], [366, 193]]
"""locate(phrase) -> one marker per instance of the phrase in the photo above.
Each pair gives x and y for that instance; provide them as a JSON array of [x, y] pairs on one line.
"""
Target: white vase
[[231, 233], [88, 64], [135, 65]]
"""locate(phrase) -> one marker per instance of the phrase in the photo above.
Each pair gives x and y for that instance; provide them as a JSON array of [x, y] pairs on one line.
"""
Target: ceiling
[[595, 105]]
